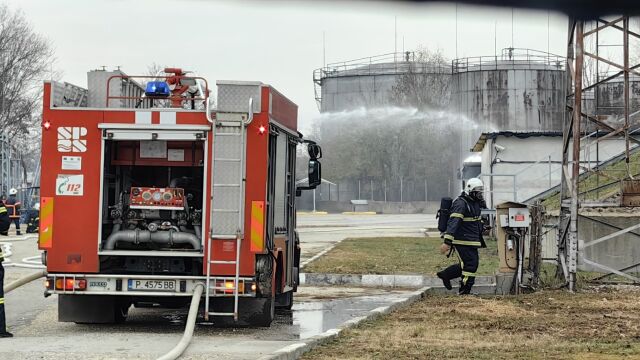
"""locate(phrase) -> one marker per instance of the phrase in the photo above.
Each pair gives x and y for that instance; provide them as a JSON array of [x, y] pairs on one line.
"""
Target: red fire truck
[[146, 192]]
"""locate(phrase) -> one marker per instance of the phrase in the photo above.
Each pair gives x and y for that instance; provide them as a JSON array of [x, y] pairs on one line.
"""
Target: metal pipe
[[25, 280], [146, 236], [188, 330]]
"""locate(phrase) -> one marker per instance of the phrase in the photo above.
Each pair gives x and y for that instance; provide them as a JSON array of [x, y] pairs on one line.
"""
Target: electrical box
[[519, 218], [504, 220]]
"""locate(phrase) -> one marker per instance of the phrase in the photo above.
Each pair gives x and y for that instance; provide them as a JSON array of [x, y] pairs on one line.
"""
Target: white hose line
[[188, 330], [25, 280]]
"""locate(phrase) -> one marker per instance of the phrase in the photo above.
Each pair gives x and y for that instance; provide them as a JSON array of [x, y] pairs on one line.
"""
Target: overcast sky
[[279, 43]]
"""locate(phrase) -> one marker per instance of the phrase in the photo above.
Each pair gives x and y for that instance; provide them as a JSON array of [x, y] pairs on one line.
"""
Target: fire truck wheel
[[252, 312], [284, 300], [121, 311]]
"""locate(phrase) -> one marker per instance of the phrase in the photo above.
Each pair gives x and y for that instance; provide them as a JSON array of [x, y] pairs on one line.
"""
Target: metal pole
[[400, 189], [358, 189], [575, 171], [314, 200], [625, 25], [385, 190], [549, 171], [371, 188], [426, 191]]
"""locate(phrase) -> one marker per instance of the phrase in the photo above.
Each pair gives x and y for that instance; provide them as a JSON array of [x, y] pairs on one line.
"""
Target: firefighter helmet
[[473, 184], [13, 191]]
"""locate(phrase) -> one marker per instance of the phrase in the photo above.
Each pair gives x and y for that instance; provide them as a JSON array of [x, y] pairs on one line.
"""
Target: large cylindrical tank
[[519, 90], [367, 82]]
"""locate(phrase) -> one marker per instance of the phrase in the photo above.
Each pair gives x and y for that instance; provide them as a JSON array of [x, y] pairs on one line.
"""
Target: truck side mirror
[[315, 169], [315, 173], [315, 151]]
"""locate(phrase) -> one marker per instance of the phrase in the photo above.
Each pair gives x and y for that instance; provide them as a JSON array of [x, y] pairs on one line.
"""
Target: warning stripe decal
[[257, 226], [45, 240]]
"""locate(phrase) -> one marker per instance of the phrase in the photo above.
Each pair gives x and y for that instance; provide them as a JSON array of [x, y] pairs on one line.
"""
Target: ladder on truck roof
[[227, 205]]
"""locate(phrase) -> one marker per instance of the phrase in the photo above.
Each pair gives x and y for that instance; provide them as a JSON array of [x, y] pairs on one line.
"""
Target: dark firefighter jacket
[[13, 206], [465, 224], [5, 222]]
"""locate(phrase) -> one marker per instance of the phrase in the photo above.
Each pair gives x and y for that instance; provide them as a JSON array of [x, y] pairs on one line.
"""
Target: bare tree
[[425, 84], [25, 60]]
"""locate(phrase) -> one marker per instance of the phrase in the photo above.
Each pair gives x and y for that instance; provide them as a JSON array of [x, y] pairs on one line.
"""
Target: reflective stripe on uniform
[[1, 300], [3, 210], [465, 242], [468, 273], [448, 237], [456, 215], [477, 218]]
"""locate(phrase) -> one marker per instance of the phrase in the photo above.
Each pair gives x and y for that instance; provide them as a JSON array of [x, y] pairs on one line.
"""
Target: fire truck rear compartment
[[152, 201]]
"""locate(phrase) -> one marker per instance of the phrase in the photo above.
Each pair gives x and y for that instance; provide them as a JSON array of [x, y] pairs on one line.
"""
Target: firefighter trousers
[[16, 221], [465, 269], [3, 320]]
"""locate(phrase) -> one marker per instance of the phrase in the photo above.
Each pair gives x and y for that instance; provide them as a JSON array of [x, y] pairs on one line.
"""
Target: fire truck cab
[[146, 192]]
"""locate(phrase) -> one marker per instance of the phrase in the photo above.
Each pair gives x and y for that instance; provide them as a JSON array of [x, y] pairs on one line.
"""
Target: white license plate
[[152, 285]]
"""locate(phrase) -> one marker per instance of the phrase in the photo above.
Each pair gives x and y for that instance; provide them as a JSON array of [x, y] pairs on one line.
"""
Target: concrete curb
[[364, 280], [296, 350], [312, 213], [359, 213]]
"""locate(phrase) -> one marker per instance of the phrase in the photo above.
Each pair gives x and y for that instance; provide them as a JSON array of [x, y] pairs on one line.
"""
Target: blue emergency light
[[157, 89]]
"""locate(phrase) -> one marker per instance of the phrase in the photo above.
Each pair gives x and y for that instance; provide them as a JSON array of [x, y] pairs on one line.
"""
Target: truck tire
[[121, 311], [252, 312]]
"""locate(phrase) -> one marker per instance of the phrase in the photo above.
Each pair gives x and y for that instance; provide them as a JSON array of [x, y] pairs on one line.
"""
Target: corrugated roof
[[482, 140]]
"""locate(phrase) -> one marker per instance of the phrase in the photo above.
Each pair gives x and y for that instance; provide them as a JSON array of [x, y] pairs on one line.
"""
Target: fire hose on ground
[[25, 280], [191, 317], [188, 330]]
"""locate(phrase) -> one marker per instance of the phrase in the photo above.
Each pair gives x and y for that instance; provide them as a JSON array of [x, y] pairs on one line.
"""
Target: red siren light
[[262, 129], [46, 124]]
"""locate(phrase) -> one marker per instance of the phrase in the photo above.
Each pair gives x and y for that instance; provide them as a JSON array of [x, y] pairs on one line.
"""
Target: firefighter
[[5, 223], [464, 236], [33, 219], [13, 207]]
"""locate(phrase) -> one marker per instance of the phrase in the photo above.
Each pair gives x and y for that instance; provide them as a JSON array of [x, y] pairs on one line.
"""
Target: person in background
[[33, 219], [13, 207], [5, 223]]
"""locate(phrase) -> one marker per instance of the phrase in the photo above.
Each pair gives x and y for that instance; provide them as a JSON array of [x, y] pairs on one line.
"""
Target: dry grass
[[543, 325], [395, 255]]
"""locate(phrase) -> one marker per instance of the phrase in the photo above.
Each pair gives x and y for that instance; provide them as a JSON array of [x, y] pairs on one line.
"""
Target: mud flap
[[251, 312], [285, 300], [92, 309]]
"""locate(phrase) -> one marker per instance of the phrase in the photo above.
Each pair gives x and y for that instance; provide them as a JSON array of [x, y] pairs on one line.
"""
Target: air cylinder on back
[[443, 213]]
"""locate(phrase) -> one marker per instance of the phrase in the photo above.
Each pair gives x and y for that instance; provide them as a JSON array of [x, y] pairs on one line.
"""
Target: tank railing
[[515, 56], [139, 100]]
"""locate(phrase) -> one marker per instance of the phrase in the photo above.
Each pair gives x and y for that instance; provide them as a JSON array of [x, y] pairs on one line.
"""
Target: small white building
[[516, 166]]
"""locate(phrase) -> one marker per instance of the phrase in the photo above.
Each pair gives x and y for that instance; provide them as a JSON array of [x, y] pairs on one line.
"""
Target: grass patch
[[542, 325], [395, 255]]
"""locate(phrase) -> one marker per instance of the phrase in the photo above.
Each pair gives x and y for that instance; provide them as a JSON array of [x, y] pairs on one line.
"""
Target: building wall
[[525, 162]]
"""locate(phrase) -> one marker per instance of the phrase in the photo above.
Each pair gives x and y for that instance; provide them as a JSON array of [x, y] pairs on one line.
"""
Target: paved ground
[[317, 232], [151, 332]]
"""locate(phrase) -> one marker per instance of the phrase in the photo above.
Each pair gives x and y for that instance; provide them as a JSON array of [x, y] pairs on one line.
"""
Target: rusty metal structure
[[607, 121]]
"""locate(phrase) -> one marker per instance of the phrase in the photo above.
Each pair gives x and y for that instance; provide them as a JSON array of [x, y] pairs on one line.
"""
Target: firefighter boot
[[465, 289], [446, 282], [452, 272], [6, 334]]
